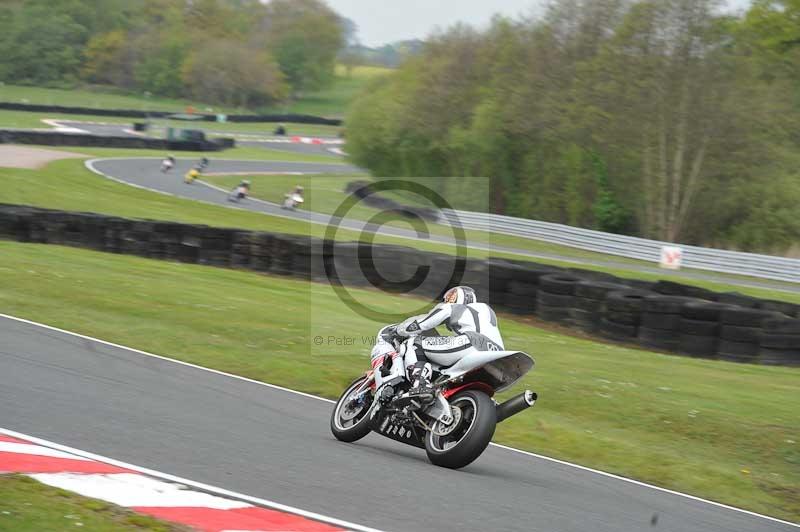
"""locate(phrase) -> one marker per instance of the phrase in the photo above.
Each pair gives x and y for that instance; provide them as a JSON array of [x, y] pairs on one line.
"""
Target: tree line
[[234, 52], [667, 119]]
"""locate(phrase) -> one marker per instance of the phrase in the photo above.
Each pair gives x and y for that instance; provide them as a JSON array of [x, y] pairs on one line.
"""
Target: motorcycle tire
[[479, 411], [360, 428]]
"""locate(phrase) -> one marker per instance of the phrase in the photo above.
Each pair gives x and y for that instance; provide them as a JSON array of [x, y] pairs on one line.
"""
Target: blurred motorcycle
[[167, 164], [239, 192], [294, 199], [191, 175], [457, 426]]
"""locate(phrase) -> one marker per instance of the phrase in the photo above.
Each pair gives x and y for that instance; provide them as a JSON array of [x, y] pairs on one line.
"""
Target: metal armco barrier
[[718, 260]]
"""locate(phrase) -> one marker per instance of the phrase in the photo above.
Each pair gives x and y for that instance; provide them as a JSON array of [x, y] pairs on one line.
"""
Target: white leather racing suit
[[382, 351], [474, 325]]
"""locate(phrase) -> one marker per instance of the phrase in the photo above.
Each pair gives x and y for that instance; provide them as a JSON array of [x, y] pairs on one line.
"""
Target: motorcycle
[[167, 165], [292, 201], [191, 175], [457, 426], [237, 194]]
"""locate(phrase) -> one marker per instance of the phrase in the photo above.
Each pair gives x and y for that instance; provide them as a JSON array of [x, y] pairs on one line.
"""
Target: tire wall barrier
[[131, 113], [54, 138], [663, 315]]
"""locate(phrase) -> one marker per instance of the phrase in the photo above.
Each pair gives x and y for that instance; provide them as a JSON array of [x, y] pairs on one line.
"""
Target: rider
[[191, 175], [243, 188], [167, 163], [474, 326]]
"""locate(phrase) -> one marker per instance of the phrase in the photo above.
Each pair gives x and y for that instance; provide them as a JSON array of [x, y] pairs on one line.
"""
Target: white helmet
[[460, 295]]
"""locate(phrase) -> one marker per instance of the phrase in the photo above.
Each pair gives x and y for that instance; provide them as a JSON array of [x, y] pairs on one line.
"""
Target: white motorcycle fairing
[[499, 369]]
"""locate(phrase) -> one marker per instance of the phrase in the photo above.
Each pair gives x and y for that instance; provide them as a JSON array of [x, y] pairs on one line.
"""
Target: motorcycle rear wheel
[[465, 442], [350, 418]]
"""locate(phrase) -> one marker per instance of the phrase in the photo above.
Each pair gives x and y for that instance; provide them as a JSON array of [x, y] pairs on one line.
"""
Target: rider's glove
[[388, 334]]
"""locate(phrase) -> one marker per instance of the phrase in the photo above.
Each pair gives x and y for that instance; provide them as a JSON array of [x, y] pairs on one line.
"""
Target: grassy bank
[[238, 154], [69, 185], [332, 101], [325, 193], [30, 506], [720, 430], [28, 120]]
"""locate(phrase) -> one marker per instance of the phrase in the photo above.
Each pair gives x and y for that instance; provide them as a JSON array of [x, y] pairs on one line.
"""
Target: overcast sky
[[384, 21]]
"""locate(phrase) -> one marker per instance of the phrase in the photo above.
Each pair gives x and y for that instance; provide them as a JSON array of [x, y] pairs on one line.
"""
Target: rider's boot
[[421, 390]]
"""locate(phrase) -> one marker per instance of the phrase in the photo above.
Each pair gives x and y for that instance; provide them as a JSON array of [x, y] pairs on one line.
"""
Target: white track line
[[281, 388], [61, 128], [199, 485]]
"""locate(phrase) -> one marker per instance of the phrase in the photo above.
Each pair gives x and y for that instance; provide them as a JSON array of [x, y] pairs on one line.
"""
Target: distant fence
[[133, 113], [667, 316], [718, 260], [56, 138]]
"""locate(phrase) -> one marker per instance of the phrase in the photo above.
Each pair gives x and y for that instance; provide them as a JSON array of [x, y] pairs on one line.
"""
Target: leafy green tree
[[41, 47], [305, 37], [108, 60], [648, 117], [229, 73]]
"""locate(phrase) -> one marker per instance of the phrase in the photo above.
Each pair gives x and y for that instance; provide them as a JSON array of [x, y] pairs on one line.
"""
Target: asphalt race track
[[276, 445], [144, 172]]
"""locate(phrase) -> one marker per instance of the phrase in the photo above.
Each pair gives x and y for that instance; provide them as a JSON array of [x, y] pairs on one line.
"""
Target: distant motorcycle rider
[[240, 191], [167, 164], [474, 326]]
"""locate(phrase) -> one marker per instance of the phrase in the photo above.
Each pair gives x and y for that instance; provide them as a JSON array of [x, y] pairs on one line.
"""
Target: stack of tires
[[522, 285], [215, 246], [737, 299], [555, 297], [261, 245], [789, 309], [622, 315], [671, 288], [661, 319], [779, 342], [740, 333], [588, 304], [165, 241], [699, 328]]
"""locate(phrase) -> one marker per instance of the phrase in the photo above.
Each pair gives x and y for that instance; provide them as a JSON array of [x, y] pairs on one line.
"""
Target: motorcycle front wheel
[[460, 443], [350, 417]]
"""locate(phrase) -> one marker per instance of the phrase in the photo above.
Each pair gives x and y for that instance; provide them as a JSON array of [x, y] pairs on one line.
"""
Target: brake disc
[[440, 429], [353, 407]]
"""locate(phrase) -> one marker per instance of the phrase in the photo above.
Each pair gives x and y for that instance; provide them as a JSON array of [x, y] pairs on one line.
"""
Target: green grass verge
[[236, 154], [28, 120], [69, 185], [334, 101], [30, 506], [329, 102], [719, 430], [325, 193], [100, 98]]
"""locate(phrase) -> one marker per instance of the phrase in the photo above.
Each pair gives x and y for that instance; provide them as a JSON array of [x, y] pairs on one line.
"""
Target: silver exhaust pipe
[[515, 405]]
